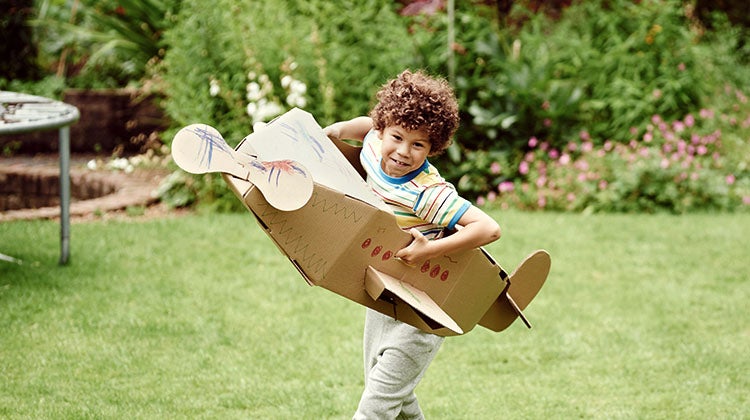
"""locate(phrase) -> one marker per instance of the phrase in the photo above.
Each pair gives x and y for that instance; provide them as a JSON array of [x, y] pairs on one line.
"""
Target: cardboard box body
[[344, 229]]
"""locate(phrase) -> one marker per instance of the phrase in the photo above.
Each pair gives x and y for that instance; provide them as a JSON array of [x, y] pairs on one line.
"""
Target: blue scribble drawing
[[298, 131], [210, 141]]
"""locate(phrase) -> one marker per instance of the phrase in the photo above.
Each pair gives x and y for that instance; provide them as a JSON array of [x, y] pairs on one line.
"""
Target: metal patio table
[[23, 113]]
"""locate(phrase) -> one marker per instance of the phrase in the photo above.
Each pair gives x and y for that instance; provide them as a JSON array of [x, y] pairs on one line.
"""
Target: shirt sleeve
[[440, 204]]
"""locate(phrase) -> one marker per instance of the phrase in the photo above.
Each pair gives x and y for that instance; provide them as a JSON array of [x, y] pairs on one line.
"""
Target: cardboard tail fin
[[377, 283], [525, 282]]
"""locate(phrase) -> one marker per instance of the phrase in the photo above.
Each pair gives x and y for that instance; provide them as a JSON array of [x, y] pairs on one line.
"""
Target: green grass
[[202, 317]]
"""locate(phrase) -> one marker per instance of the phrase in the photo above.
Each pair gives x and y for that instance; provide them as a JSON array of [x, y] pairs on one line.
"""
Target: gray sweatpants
[[396, 357]]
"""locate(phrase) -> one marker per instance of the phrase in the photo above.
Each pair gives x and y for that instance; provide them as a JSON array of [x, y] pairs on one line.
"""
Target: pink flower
[[681, 67], [656, 119], [603, 184], [541, 202], [480, 201], [505, 186], [554, 154], [648, 137], [565, 159], [491, 196], [533, 142], [689, 120], [702, 150], [585, 136], [746, 200], [678, 126], [495, 168], [523, 168], [541, 181], [730, 179], [571, 197], [664, 163], [572, 146], [706, 113], [547, 122]]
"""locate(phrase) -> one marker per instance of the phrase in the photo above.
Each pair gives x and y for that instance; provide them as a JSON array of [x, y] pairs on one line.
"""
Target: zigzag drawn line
[[291, 243], [336, 207]]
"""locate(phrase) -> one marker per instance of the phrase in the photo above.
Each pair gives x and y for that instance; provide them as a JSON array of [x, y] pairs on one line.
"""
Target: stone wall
[[40, 187]]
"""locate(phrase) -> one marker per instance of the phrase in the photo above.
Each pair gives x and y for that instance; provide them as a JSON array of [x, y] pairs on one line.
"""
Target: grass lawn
[[202, 317]]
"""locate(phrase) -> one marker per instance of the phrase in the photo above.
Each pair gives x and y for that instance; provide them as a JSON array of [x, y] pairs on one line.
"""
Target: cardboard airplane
[[308, 194]]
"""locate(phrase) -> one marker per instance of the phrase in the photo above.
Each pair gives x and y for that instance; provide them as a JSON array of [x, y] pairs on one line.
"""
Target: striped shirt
[[421, 199]]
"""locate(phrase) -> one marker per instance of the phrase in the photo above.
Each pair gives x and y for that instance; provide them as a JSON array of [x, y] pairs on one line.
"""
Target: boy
[[415, 117]]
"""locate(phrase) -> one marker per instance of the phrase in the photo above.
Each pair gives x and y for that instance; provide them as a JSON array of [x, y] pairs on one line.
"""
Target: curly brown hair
[[416, 101]]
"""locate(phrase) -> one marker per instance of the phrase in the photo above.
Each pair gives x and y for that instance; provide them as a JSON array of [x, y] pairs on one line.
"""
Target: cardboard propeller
[[200, 148]]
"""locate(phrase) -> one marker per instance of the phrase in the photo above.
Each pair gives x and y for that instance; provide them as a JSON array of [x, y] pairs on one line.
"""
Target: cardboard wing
[[344, 240]]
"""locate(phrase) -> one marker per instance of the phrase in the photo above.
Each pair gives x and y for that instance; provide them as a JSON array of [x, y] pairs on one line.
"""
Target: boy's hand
[[333, 131], [417, 252]]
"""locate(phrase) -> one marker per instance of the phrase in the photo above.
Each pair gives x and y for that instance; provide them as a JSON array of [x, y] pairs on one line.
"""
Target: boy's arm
[[354, 129], [477, 229]]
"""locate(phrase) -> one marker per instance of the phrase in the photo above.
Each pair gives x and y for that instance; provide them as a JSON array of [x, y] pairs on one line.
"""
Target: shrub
[[104, 44], [604, 69], [234, 64], [677, 166]]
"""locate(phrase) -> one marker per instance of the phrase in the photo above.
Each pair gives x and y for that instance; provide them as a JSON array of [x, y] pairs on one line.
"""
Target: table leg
[[64, 194]]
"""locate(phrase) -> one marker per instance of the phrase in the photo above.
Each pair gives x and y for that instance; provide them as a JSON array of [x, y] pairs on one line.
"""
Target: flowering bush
[[677, 166]]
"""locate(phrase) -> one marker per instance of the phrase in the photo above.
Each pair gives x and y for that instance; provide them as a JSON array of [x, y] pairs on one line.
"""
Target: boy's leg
[[396, 357]]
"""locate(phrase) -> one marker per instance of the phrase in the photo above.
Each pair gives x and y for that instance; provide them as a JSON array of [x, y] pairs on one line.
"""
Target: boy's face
[[403, 150]]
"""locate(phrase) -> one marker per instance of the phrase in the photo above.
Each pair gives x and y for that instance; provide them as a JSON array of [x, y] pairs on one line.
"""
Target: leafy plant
[[105, 43], [238, 63]]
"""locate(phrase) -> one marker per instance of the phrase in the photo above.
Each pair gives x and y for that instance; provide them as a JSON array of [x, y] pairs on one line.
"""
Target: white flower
[[295, 99], [119, 163], [251, 75], [286, 81], [92, 165], [252, 108], [298, 87], [253, 91], [263, 110], [214, 87]]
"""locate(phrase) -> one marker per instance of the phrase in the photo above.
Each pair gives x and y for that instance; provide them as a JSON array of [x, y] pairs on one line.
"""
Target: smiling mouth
[[398, 162]]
